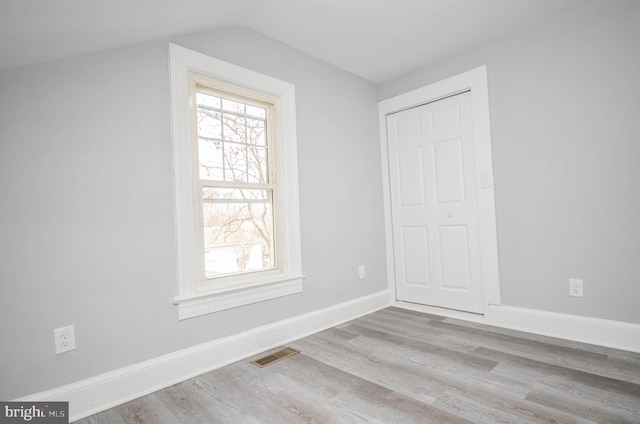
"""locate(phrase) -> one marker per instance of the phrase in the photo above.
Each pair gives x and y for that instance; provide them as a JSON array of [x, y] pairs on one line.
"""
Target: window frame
[[194, 297]]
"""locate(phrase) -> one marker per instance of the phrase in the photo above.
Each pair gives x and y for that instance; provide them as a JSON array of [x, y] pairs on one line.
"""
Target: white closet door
[[434, 206]]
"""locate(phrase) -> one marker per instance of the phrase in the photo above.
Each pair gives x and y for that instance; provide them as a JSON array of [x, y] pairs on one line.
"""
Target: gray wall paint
[[87, 226], [564, 100]]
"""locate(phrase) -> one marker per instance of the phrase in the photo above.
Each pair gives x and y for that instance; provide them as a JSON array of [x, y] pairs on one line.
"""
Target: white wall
[[87, 226], [565, 105]]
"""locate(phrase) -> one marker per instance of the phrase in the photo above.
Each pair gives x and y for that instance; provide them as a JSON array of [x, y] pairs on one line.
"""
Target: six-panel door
[[434, 208]]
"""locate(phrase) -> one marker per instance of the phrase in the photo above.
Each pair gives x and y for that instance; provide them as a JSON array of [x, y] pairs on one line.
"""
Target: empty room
[[303, 211]]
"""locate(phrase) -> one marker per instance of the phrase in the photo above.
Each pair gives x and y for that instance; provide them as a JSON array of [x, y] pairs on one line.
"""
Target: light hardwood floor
[[396, 367]]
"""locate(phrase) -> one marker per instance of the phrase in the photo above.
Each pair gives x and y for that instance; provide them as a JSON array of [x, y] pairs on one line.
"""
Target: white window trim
[[190, 301]]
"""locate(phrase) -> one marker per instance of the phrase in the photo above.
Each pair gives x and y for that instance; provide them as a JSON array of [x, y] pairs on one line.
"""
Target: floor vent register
[[274, 357]]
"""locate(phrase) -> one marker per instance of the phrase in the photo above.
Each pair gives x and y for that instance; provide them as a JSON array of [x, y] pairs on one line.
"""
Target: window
[[235, 169], [236, 179]]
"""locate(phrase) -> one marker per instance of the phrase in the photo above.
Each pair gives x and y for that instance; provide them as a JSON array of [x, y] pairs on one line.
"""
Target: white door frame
[[476, 81]]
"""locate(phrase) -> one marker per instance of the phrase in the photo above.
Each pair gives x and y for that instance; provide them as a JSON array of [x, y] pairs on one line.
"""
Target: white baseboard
[[602, 332], [90, 396]]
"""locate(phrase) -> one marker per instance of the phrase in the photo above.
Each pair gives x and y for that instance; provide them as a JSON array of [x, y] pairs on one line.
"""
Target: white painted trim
[[90, 396], [256, 286], [476, 81], [237, 296], [595, 331]]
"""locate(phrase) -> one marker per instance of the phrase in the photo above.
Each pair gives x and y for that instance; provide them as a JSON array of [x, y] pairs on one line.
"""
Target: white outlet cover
[[65, 339], [575, 288], [361, 272]]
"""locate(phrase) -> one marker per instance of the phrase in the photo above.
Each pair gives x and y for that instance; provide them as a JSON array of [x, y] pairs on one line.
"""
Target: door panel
[[448, 165], [415, 248], [411, 178], [445, 116], [434, 207], [454, 252]]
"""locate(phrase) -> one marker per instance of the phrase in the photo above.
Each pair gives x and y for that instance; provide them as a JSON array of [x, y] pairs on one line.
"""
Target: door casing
[[474, 80]]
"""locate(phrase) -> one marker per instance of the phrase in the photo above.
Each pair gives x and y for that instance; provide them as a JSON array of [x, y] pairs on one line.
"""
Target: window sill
[[219, 300]]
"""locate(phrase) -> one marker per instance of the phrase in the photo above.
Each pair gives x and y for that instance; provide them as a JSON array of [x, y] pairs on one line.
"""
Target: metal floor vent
[[274, 357]]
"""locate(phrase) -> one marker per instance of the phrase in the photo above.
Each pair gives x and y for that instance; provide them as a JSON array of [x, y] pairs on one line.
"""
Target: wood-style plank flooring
[[397, 367]]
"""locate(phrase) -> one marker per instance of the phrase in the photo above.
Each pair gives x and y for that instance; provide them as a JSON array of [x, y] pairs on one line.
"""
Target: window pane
[[232, 140], [256, 131], [208, 100], [209, 124], [231, 106], [256, 112], [234, 128], [258, 169], [238, 227], [210, 159], [235, 162]]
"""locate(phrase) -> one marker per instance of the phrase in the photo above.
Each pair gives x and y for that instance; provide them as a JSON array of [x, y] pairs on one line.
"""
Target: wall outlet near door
[[361, 272], [575, 288], [65, 339]]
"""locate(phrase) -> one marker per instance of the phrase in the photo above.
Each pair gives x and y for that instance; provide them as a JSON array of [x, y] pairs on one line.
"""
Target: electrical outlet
[[65, 339], [575, 288], [361, 273]]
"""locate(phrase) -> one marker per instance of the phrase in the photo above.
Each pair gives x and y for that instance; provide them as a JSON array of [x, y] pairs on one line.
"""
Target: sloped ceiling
[[376, 39]]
